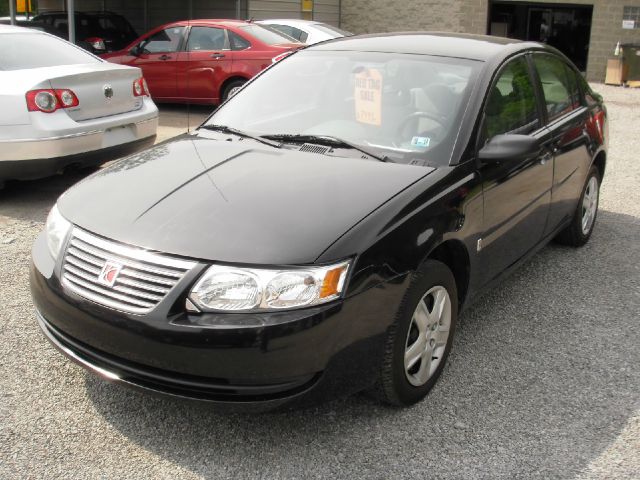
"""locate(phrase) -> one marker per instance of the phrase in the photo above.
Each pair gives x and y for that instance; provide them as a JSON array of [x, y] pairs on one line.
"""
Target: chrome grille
[[143, 280]]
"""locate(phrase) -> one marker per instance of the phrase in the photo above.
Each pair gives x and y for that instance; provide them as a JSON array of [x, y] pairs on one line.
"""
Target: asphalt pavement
[[543, 380]]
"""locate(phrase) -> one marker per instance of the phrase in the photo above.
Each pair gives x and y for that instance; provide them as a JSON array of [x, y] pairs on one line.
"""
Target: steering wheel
[[409, 118]]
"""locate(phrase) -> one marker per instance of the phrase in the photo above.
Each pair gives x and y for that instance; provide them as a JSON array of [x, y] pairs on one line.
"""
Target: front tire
[[419, 341], [584, 219]]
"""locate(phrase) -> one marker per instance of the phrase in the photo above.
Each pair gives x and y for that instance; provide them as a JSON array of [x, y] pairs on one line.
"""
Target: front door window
[[511, 104], [164, 41]]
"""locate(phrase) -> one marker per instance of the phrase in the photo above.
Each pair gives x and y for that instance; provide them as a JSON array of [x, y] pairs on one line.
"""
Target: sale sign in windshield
[[368, 96]]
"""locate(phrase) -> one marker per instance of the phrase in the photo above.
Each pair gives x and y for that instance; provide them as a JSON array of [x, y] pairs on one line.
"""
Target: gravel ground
[[543, 381]]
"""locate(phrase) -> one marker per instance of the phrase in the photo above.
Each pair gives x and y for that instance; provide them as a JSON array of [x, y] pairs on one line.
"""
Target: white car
[[19, 18], [306, 31], [61, 106]]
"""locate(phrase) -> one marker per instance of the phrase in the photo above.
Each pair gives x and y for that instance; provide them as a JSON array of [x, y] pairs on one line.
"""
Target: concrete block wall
[[470, 16], [373, 16]]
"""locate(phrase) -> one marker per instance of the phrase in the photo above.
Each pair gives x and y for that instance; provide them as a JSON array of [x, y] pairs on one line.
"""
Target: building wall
[[147, 14], [470, 16], [263, 9], [323, 10], [157, 12], [373, 16], [327, 11]]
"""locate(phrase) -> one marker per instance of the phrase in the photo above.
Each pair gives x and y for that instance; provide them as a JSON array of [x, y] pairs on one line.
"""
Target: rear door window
[[237, 42], [561, 94], [206, 38]]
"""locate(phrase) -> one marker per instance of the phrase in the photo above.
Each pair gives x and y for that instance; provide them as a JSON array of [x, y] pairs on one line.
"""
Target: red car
[[202, 61]]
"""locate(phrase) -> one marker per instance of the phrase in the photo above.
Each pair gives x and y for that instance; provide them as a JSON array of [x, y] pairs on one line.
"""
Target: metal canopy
[[147, 14]]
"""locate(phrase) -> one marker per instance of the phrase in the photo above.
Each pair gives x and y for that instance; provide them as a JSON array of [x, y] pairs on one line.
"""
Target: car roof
[[291, 21], [226, 22], [15, 29], [459, 45]]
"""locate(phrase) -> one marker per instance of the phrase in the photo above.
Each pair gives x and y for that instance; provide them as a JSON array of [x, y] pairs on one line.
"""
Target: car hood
[[233, 201]]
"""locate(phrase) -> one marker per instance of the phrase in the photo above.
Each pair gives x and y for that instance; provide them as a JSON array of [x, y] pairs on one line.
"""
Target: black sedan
[[320, 233]]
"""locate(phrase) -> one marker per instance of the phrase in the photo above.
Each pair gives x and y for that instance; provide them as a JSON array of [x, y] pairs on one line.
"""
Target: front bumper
[[308, 355]]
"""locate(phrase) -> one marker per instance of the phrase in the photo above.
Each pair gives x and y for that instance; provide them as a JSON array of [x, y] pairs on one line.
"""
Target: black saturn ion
[[319, 234]]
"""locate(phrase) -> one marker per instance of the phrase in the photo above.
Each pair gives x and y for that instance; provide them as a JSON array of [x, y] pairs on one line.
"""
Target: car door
[[516, 192], [157, 57], [250, 57], [567, 117], [205, 64]]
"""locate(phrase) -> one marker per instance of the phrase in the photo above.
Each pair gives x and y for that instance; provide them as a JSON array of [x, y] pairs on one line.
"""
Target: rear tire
[[419, 341], [230, 89], [584, 219]]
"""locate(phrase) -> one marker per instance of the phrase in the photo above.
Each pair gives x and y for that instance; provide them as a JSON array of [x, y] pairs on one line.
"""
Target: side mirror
[[135, 51], [509, 147]]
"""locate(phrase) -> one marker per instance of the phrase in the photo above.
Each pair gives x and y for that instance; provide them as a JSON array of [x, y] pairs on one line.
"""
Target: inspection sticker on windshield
[[368, 96], [420, 141]]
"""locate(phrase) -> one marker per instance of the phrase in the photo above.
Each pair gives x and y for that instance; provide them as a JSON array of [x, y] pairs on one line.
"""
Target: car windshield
[[267, 35], [404, 107], [34, 50]]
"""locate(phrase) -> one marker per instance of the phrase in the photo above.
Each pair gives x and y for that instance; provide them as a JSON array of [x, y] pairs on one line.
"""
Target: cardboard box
[[616, 72]]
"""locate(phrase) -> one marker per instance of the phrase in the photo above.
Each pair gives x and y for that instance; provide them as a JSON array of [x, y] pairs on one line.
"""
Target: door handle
[[217, 55], [164, 57]]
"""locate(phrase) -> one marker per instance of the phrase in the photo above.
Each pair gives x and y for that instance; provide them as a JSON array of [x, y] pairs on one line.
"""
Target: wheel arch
[[601, 162], [454, 254], [226, 83]]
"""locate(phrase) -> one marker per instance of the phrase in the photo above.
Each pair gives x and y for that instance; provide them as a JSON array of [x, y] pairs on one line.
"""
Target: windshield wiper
[[327, 140], [240, 133]]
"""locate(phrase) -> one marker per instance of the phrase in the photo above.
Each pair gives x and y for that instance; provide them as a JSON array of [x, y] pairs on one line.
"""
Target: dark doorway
[[566, 27]]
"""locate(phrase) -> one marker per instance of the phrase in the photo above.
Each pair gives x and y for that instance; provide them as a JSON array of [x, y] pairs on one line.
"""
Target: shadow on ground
[[542, 378], [32, 199]]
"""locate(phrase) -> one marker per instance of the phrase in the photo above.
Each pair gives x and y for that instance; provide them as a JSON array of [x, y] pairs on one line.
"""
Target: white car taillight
[[140, 88], [50, 100]]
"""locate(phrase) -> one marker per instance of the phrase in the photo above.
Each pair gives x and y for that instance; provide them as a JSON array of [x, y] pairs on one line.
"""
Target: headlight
[[223, 288], [56, 229]]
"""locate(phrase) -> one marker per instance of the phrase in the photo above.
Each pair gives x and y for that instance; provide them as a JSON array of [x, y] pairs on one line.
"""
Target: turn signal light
[[140, 88], [277, 58], [332, 282], [50, 100]]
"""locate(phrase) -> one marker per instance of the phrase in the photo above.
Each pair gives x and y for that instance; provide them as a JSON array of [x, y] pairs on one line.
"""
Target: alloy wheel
[[589, 205], [427, 336]]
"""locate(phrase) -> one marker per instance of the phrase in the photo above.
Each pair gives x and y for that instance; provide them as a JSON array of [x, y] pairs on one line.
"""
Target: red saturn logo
[[109, 273]]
